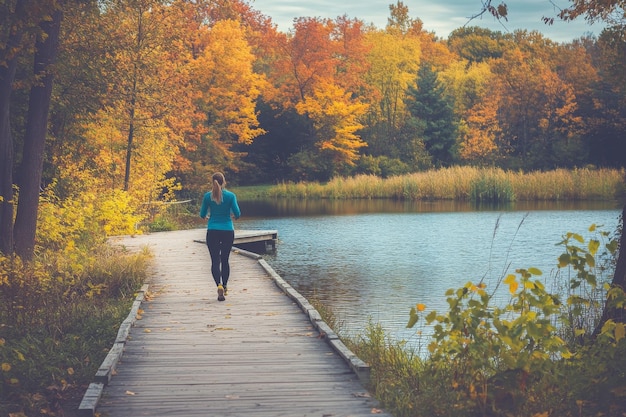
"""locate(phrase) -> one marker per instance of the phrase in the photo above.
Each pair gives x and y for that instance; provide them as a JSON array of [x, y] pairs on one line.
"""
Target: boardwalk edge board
[[246, 253], [358, 366], [103, 376], [87, 406]]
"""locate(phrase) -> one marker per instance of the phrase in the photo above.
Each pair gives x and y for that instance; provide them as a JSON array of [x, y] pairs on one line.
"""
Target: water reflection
[[376, 259], [296, 207]]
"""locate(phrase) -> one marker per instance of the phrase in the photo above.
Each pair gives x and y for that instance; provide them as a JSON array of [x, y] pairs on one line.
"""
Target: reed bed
[[467, 183]]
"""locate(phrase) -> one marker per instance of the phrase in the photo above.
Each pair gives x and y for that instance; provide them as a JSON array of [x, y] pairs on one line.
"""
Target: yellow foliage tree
[[148, 95], [228, 87], [467, 82], [394, 62], [152, 158], [476, 103], [335, 119]]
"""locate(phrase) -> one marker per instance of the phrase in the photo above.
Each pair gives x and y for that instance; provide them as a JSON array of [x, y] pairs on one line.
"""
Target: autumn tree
[[400, 21], [228, 89], [79, 93], [147, 115], [308, 56], [43, 21], [476, 44], [334, 115], [351, 52], [394, 61], [480, 132], [537, 108], [316, 52]]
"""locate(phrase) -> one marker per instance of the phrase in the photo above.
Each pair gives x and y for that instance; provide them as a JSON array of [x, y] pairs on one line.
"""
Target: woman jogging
[[220, 204]]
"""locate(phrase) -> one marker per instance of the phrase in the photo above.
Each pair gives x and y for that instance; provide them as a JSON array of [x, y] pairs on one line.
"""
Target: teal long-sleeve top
[[220, 214]]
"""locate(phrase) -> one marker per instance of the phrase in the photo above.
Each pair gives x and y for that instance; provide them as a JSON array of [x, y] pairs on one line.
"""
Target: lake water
[[374, 260]]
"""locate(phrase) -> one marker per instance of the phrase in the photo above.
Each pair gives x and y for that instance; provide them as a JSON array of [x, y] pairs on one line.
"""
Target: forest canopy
[[147, 98]]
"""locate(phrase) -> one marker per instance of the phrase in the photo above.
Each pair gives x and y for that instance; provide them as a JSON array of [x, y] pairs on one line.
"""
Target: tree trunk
[[8, 58], [129, 147], [35, 137], [619, 280], [7, 75]]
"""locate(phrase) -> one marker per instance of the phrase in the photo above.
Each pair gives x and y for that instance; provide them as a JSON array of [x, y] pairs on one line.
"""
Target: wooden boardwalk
[[256, 354]]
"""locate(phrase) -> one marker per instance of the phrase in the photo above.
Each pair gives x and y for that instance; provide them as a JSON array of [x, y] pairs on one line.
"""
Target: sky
[[439, 16]]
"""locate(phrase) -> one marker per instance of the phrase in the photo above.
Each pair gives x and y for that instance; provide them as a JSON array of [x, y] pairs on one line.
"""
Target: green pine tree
[[432, 116]]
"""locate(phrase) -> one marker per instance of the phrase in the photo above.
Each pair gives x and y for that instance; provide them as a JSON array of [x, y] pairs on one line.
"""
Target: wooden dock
[[258, 241], [262, 352]]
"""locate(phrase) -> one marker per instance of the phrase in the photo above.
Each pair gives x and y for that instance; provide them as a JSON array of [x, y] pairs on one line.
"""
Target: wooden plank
[[90, 400], [257, 353], [107, 368], [244, 236]]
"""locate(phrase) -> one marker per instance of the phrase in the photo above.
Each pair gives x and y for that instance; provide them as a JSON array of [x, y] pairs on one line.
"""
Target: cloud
[[439, 16]]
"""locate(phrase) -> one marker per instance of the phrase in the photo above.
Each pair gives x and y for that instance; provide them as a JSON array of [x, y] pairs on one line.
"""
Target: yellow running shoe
[[220, 293]]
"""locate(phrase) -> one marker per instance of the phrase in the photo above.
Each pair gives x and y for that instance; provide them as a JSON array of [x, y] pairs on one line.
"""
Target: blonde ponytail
[[218, 183]]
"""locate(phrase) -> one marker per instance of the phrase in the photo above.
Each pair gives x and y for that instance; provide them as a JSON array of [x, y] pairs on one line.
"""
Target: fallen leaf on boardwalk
[[361, 394], [130, 393], [224, 328], [376, 411], [147, 330]]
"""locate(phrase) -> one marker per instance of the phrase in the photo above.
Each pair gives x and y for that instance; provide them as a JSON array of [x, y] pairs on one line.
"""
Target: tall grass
[[466, 183]]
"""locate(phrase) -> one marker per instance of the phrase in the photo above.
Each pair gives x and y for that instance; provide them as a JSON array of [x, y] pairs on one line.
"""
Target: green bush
[[533, 356]]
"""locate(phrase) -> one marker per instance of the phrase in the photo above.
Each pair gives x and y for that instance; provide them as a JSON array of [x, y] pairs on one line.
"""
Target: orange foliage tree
[[536, 108]]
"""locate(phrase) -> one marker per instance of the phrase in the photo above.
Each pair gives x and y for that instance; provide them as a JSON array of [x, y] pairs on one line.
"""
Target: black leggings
[[219, 243]]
